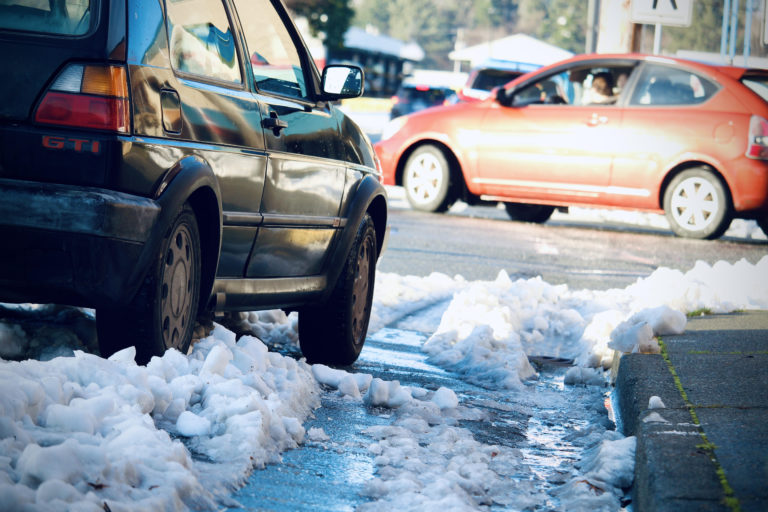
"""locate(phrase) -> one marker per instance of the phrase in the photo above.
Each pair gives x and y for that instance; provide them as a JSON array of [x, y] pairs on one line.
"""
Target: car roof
[[424, 87], [734, 72], [507, 65]]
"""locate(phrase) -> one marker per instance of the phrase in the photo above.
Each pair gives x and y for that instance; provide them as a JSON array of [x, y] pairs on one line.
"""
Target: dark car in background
[[625, 131], [161, 161], [491, 74], [412, 97]]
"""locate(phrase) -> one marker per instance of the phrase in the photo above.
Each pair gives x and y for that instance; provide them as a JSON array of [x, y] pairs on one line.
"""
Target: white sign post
[[676, 13]]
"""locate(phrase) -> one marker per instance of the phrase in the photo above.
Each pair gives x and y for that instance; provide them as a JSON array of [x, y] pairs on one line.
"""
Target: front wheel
[[333, 333], [537, 213], [697, 204], [427, 180], [162, 316]]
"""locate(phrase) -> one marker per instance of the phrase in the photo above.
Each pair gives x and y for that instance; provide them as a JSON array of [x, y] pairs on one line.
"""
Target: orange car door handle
[[597, 119]]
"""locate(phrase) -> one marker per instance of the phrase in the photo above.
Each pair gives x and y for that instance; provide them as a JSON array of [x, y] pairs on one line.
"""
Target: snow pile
[[426, 463], [720, 288], [486, 329], [88, 431], [397, 296], [490, 327], [426, 467], [604, 472]]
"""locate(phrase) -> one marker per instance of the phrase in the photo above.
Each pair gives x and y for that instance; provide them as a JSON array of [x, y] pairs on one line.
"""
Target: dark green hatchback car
[[165, 159]]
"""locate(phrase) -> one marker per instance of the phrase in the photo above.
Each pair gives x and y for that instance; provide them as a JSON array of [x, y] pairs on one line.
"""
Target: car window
[[275, 61], [59, 17], [201, 39], [580, 85], [425, 94], [487, 79], [758, 84], [666, 85]]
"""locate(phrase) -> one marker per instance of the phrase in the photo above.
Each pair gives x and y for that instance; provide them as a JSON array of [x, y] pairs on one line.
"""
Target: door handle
[[274, 123], [170, 109], [597, 119]]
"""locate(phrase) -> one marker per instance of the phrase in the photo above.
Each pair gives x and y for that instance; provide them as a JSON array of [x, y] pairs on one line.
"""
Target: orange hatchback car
[[626, 131]]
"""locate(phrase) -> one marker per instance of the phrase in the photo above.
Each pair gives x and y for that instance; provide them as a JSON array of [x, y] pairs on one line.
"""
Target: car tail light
[[87, 96], [758, 138], [395, 100]]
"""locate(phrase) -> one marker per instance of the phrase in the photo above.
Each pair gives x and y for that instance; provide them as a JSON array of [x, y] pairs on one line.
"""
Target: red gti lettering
[[78, 145], [53, 142]]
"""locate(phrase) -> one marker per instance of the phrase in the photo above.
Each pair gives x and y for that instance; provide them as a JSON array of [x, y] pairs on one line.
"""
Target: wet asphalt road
[[478, 242]]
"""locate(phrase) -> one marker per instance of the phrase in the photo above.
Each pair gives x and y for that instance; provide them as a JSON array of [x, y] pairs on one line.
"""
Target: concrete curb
[[707, 449]]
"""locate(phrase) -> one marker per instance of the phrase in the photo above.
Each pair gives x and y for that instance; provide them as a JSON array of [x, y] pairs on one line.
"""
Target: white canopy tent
[[517, 48]]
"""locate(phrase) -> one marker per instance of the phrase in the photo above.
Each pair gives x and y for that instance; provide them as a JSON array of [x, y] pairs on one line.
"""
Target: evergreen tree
[[328, 19], [562, 23]]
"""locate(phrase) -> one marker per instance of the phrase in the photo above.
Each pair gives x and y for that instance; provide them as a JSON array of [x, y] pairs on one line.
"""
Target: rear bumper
[[70, 244]]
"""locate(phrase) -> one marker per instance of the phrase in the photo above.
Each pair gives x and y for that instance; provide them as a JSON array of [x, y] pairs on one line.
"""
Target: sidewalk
[[707, 450]]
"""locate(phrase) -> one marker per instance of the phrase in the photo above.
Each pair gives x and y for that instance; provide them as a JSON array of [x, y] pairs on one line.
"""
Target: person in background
[[601, 92]]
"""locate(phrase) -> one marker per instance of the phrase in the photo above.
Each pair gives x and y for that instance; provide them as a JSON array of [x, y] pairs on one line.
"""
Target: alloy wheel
[[695, 203], [424, 180], [177, 287]]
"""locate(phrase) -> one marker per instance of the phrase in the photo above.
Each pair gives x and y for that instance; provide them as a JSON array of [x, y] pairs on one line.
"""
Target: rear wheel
[[162, 316], [697, 204], [427, 180], [333, 333], [537, 213]]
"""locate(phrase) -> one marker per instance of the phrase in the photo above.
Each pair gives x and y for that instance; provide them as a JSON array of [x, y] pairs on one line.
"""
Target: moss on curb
[[730, 500]]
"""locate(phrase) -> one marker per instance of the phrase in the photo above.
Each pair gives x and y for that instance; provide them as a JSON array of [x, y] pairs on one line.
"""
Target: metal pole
[[593, 21], [657, 39], [734, 29], [747, 32], [724, 33]]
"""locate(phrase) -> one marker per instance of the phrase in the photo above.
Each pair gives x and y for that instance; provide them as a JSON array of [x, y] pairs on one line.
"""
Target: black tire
[[163, 314], [427, 180], [333, 333], [697, 204], [537, 213]]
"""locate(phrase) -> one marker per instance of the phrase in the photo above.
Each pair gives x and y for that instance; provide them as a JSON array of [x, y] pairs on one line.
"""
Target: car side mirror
[[502, 96], [341, 81]]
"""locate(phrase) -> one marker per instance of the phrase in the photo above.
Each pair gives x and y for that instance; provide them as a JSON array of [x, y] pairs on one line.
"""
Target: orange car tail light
[[758, 138], [87, 96]]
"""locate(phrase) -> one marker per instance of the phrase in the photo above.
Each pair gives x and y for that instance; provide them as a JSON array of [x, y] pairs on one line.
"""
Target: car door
[[305, 176], [665, 123], [208, 105], [552, 139]]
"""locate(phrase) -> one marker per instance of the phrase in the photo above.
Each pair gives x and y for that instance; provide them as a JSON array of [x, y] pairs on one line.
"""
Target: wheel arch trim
[[692, 164], [454, 160], [370, 198], [190, 179]]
